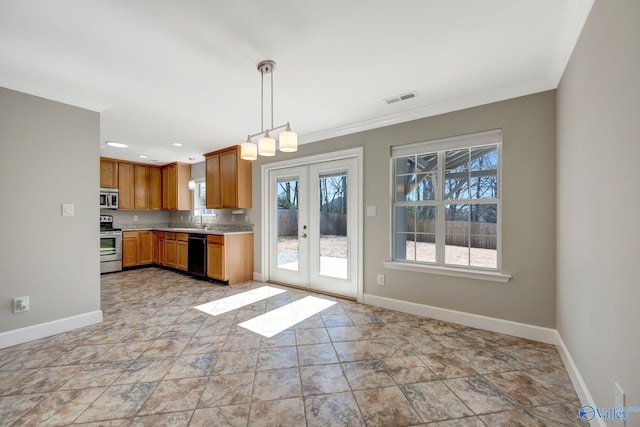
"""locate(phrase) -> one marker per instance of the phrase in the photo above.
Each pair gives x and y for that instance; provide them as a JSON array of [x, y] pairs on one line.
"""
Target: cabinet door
[[183, 194], [165, 188], [170, 253], [141, 187], [129, 248], [215, 261], [155, 188], [126, 186], [229, 179], [108, 173], [173, 179], [161, 249], [145, 247], [212, 177], [182, 253], [154, 242]]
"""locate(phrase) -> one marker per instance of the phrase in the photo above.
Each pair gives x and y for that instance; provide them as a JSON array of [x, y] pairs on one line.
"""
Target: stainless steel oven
[[110, 246]]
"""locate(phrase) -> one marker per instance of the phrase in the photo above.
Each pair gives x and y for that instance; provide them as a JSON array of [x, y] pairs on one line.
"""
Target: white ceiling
[[164, 71]]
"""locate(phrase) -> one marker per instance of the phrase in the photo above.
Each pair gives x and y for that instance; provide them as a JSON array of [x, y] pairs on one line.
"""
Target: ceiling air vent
[[399, 98]]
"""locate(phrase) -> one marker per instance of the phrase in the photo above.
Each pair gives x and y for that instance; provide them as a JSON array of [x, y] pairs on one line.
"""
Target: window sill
[[492, 276]]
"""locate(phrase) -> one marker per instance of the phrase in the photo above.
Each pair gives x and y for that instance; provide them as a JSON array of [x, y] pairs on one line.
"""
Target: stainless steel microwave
[[108, 198]]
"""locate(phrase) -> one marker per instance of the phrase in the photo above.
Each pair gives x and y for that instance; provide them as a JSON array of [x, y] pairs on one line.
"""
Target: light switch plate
[[67, 209], [371, 211]]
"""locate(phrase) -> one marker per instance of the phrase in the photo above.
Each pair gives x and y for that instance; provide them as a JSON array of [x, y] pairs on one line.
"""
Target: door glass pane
[[334, 246], [287, 223]]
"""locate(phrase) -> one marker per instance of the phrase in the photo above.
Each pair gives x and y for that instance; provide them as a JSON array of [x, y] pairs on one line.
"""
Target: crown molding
[[576, 16], [51, 93], [430, 110]]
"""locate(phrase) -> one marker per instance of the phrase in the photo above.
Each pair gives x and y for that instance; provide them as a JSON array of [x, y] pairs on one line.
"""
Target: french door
[[313, 231]]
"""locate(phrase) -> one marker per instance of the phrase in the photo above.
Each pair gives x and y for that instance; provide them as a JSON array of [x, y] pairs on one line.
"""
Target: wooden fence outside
[[482, 234], [457, 233], [331, 224]]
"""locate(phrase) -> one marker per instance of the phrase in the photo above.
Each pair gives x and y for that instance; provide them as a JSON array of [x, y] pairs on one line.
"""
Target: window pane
[[406, 165], [457, 160], [456, 185], [456, 250], [405, 246], [405, 219], [484, 235], [484, 172], [484, 158], [287, 226]]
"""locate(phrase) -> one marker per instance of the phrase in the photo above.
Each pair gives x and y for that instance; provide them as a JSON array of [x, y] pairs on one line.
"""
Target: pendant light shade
[[192, 184], [288, 140], [267, 146], [249, 151]]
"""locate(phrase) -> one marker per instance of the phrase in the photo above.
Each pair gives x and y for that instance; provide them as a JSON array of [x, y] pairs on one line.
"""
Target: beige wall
[[528, 210], [48, 156], [598, 204]]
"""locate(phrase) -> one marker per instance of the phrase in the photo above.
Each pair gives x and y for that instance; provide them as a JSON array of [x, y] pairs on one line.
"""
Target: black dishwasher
[[197, 264]]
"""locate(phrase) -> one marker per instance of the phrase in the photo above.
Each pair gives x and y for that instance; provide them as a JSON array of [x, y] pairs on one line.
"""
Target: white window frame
[[439, 146], [195, 205]]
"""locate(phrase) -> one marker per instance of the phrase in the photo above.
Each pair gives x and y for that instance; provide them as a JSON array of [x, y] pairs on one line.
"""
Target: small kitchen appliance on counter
[[110, 245]]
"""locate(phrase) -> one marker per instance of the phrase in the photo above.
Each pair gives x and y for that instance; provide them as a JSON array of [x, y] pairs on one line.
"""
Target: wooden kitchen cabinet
[[170, 249], [230, 257], [137, 248], [159, 248], [228, 179], [155, 188], [108, 173], [145, 247], [129, 248], [126, 185], [182, 251], [175, 187], [141, 187]]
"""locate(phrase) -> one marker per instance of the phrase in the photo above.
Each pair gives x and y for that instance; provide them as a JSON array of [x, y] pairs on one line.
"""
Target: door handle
[[304, 235]]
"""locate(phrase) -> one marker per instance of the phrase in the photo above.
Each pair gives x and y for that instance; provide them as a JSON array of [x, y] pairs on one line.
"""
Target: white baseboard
[[42, 330], [257, 277], [576, 379], [522, 330]]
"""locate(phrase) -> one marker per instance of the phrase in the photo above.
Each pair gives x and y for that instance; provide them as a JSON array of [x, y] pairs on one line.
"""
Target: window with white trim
[[200, 198], [446, 202]]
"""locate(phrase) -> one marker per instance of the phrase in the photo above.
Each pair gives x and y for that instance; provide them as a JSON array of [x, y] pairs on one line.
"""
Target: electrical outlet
[[381, 279], [135, 218], [20, 304]]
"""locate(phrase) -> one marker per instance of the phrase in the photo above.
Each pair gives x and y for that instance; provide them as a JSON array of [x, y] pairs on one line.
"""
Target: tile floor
[[158, 361]]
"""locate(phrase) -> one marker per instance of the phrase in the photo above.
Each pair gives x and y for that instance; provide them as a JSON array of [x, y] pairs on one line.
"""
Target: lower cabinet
[[230, 257], [182, 251], [170, 249], [137, 248]]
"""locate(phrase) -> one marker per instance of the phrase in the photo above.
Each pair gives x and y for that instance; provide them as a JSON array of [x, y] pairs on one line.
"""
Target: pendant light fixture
[[266, 145]]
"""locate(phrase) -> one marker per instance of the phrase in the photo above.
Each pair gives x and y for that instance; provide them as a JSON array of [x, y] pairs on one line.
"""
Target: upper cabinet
[[175, 186], [228, 179], [155, 188], [126, 185], [108, 173], [139, 185]]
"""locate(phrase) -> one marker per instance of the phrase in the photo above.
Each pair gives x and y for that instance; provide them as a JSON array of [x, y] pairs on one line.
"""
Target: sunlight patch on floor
[[224, 305], [276, 321]]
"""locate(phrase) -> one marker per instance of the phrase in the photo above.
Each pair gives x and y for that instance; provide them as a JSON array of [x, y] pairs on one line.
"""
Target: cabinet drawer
[[182, 237], [170, 236], [129, 234], [217, 240]]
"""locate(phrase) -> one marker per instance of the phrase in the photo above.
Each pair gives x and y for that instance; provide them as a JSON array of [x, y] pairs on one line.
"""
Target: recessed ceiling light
[[142, 156], [192, 159], [116, 144], [177, 144]]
